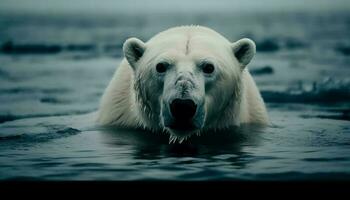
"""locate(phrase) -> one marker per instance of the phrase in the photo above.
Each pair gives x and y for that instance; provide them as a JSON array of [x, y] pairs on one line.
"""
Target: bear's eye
[[162, 67], [208, 68]]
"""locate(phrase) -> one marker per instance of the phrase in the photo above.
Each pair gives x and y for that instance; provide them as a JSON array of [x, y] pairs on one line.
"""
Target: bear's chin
[[180, 136]]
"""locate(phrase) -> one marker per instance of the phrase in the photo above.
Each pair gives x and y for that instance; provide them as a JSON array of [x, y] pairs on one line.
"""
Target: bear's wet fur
[[194, 67]]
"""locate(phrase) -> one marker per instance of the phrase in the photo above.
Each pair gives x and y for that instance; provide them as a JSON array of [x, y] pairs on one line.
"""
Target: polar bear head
[[185, 77]]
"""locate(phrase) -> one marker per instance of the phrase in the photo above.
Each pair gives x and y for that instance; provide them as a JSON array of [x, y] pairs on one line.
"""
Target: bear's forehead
[[189, 44], [189, 31]]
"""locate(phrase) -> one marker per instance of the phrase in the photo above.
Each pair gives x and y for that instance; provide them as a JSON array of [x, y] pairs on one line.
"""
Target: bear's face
[[183, 82]]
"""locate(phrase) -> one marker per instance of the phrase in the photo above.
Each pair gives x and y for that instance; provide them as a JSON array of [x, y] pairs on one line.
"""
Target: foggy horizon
[[158, 6]]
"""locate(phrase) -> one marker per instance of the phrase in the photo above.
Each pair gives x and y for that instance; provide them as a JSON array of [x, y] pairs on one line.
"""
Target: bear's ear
[[133, 49], [244, 50]]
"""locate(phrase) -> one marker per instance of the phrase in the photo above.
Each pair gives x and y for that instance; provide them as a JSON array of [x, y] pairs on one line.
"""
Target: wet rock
[[52, 100], [262, 71], [10, 137], [341, 115], [345, 50], [268, 45], [11, 48], [327, 91], [5, 118], [293, 43], [80, 47], [68, 130]]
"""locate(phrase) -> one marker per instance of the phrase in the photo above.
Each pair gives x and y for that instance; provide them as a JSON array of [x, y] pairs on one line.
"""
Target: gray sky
[[113, 6]]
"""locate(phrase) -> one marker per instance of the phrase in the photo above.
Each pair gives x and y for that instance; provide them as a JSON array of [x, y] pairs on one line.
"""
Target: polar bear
[[185, 80]]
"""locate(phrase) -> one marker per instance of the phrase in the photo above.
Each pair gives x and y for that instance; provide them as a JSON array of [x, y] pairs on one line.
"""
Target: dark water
[[53, 70]]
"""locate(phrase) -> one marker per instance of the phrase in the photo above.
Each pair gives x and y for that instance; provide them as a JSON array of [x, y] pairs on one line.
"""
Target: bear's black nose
[[183, 109]]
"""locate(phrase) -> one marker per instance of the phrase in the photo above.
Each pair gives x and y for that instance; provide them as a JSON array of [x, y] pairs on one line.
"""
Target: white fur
[[119, 106]]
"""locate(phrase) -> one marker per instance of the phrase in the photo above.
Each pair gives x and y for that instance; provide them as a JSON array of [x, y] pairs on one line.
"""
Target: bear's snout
[[183, 112], [183, 109]]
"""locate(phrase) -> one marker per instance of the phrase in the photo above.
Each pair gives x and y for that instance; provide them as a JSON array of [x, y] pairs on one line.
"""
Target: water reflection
[[212, 146]]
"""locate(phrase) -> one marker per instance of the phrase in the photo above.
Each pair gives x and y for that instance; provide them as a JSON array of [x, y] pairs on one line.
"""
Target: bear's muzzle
[[182, 111]]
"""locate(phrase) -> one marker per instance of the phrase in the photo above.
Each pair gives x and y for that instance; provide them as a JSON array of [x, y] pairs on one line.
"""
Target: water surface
[[54, 69]]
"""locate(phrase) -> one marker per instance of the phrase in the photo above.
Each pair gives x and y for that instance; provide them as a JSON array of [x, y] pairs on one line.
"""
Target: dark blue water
[[53, 70]]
